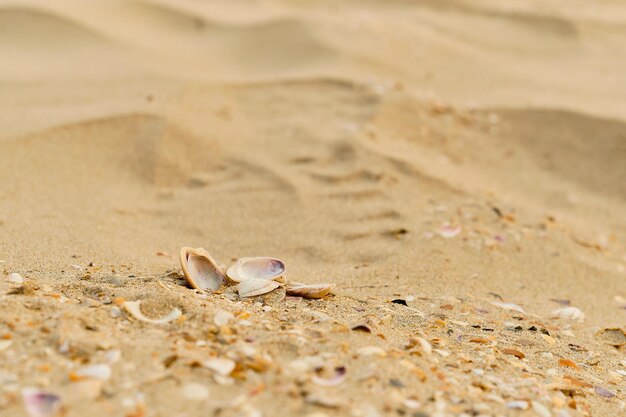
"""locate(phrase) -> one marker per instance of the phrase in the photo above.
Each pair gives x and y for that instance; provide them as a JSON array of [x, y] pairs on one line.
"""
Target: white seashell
[[517, 405], [39, 403], [371, 351], [200, 269], [426, 346], [4, 344], [256, 286], [101, 372], [309, 291], [569, 313], [257, 268], [222, 317], [194, 391], [508, 306], [448, 231], [339, 375], [15, 278], [221, 366], [133, 308]]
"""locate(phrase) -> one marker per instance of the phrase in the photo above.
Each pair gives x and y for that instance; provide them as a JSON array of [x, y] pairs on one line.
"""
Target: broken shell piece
[[339, 374], [101, 372], [309, 291], [221, 366], [40, 403], [133, 308], [256, 286], [570, 313], [509, 306], [15, 278], [449, 231], [270, 269], [200, 269]]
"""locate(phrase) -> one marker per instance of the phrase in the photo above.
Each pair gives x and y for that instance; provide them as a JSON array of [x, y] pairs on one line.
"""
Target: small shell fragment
[[101, 372], [517, 405], [15, 278], [371, 351], [222, 317], [39, 403], [200, 269], [133, 307], [448, 231], [508, 306], [339, 375], [221, 366], [603, 392], [569, 313], [309, 291], [256, 286], [270, 269]]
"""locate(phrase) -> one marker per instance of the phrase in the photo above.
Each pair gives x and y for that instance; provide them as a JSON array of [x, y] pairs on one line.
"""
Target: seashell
[[222, 317], [39, 403], [200, 269], [338, 375], [569, 313], [256, 286], [508, 306], [101, 372], [371, 351], [270, 269], [309, 291], [221, 366], [15, 278], [133, 308]]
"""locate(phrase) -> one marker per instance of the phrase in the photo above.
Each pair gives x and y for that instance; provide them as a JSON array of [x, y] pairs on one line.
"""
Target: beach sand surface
[[466, 159]]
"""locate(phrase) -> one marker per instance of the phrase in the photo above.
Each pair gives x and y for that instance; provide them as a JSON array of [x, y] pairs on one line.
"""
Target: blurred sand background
[[339, 136]]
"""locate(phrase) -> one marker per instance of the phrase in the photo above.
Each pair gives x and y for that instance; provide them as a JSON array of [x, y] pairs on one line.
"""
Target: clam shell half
[[309, 290], [200, 269], [256, 286], [270, 269]]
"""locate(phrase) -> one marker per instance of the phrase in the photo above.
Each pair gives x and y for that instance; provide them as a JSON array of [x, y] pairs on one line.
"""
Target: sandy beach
[[456, 168]]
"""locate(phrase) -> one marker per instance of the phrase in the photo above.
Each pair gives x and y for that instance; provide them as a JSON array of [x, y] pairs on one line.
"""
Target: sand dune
[[458, 152]]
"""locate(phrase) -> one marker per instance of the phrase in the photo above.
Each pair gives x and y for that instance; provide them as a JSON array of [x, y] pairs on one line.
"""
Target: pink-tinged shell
[[201, 270], [39, 403], [270, 269]]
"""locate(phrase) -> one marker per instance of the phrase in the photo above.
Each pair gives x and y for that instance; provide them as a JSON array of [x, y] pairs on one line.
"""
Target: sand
[[448, 154]]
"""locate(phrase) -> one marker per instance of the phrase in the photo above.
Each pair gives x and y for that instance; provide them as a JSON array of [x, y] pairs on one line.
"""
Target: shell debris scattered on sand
[[253, 276]]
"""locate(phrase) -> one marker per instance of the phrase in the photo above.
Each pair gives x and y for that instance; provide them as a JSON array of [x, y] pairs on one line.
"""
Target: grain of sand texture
[[457, 169]]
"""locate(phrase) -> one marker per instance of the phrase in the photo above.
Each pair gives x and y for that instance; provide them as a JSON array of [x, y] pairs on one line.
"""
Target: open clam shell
[[200, 269], [256, 286], [270, 269], [309, 290]]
